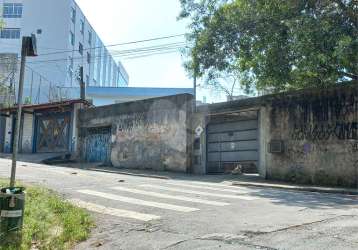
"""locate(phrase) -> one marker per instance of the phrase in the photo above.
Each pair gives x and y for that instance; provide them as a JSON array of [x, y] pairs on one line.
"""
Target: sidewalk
[[235, 180], [31, 158]]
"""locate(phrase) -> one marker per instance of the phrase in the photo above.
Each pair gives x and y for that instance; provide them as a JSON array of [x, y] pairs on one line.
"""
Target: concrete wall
[[199, 120], [8, 134], [319, 130], [27, 133], [74, 131], [147, 134]]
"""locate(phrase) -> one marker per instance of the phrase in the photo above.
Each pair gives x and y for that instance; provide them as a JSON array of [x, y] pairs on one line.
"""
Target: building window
[[8, 33], [89, 37], [12, 10], [88, 58], [82, 28], [87, 80], [72, 38], [73, 15], [80, 48]]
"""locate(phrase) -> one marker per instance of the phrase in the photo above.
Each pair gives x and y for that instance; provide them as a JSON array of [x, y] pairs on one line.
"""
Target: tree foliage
[[274, 44]]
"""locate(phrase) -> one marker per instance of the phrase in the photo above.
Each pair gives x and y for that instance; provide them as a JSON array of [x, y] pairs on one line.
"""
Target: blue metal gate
[[97, 145]]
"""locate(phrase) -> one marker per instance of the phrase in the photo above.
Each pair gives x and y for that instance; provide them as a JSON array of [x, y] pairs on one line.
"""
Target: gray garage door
[[232, 140]]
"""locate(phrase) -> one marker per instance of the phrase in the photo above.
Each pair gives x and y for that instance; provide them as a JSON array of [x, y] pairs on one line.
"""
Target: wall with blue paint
[[148, 134]]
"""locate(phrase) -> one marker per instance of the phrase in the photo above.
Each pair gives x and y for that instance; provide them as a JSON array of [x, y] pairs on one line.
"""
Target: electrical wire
[[117, 54], [113, 45], [121, 53]]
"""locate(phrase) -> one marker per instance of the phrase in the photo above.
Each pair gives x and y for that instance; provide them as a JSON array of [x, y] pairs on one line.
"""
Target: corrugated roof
[[47, 105]]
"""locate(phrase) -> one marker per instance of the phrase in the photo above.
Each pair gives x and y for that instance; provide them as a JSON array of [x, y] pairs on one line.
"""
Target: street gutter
[[348, 191]]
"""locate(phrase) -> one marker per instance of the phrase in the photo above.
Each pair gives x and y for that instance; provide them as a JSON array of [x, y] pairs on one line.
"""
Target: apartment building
[[65, 41]]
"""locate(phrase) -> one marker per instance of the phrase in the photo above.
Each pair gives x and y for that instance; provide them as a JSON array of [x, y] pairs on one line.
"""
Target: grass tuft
[[50, 222]]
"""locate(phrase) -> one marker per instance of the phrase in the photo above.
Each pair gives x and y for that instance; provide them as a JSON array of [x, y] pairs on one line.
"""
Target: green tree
[[274, 44]]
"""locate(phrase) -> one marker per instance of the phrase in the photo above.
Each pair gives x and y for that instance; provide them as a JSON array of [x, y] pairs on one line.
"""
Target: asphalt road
[[198, 212]]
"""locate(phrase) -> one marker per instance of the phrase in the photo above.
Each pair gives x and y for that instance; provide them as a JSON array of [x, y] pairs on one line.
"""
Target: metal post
[[24, 49], [194, 82]]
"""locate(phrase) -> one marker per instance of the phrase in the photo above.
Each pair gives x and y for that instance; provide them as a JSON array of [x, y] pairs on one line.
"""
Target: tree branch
[[350, 75], [347, 12]]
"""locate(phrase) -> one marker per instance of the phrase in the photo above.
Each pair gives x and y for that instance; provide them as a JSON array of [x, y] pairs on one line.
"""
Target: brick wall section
[[147, 134]]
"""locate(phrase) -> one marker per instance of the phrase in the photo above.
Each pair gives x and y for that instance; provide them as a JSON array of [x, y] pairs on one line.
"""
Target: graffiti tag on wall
[[329, 116], [340, 131]]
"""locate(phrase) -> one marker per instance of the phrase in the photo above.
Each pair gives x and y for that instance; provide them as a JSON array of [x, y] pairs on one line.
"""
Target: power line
[[176, 45], [107, 46], [123, 53], [152, 54], [117, 44]]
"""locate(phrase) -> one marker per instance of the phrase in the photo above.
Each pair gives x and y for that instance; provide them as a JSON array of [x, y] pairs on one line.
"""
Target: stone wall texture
[[319, 130], [148, 134]]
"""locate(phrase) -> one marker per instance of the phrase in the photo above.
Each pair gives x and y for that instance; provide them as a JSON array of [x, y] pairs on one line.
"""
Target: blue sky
[[118, 21]]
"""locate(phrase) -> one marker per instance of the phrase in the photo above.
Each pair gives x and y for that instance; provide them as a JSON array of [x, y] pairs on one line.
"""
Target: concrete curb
[[131, 174], [298, 188]]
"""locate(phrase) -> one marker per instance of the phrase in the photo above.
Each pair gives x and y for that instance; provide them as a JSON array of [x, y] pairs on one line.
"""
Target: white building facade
[[65, 41]]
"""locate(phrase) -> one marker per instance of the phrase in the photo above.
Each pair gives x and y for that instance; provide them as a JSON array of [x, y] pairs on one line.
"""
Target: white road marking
[[208, 188], [224, 184], [241, 197], [139, 202], [113, 211], [173, 197]]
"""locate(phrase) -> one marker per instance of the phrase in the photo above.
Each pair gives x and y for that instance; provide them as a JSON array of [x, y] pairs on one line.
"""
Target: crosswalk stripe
[[225, 184], [208, 188], [139, 202], [173, 197], [113, 211], [241, 197]]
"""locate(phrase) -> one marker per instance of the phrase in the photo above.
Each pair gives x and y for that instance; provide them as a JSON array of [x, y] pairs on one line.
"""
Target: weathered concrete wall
[[27, 133], [199, 121], [148, 134], [8, 134], [319, 129], [74, 131]]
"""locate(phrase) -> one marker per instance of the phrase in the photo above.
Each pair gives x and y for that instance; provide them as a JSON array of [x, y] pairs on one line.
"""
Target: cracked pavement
[[258, 218]]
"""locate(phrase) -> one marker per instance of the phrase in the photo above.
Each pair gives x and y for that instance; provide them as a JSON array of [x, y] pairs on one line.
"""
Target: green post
[[12, 204]]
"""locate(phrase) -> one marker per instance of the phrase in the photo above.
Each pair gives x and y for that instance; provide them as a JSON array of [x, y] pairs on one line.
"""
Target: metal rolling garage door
[[232, 139]]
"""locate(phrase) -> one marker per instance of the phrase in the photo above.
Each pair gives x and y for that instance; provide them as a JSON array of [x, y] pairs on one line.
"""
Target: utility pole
[[194, 81], [28, 48]]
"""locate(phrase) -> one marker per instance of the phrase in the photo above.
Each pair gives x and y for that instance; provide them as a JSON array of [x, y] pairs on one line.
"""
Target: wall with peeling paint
[[319, 130], [148, 134]]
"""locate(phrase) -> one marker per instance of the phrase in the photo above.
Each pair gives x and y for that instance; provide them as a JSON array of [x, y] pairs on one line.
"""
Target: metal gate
[[232, 139], [97, 144], [52, 133]]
